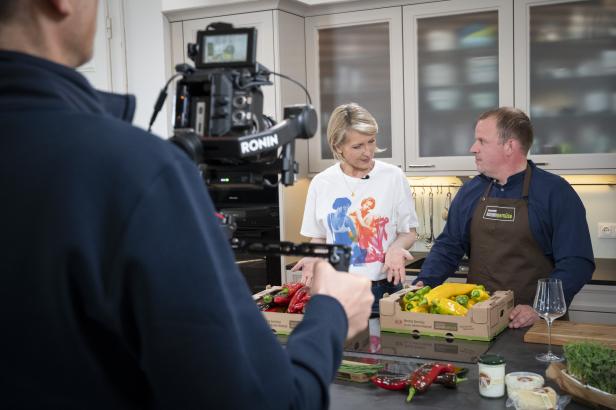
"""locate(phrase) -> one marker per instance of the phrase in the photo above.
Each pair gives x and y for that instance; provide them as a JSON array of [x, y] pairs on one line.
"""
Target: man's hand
[[395, 264], [353, 292], [306, 265], [522, 316]]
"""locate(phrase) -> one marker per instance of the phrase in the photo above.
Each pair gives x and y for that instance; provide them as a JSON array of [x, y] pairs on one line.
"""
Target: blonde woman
[[361, 202]]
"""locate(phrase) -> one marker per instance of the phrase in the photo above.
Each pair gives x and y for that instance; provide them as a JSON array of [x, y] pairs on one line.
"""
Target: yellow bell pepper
[[448, 289], [471, 303], [449, 307]]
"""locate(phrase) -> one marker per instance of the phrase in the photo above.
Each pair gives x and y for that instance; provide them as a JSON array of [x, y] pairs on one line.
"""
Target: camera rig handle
[[338, 255], [300, 122]]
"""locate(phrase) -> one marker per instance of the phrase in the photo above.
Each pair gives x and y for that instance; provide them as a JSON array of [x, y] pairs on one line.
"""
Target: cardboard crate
[[281, 323], [484, 320]]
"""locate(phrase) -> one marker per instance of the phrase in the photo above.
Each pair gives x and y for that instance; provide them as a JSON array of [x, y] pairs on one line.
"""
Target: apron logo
[[499, 213]]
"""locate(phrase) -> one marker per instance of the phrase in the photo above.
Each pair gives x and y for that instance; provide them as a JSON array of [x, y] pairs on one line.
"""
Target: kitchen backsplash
[[598, 193]]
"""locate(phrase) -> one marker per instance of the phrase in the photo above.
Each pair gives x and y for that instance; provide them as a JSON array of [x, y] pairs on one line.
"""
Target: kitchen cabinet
[[457, 64], [566, 54], [555, 59], [356, 57]]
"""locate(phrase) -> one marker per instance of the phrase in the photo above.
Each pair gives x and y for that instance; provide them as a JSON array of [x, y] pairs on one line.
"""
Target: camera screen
[[225, 48]]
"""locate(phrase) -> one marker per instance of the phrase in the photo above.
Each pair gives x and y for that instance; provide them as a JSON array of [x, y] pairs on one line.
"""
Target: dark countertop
[[520, 356]]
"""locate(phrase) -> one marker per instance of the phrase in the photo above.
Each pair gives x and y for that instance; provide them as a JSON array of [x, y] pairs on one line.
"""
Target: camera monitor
[[227, 48]]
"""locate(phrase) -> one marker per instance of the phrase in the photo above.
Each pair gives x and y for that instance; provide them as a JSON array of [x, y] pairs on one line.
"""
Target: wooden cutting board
[[566, 332]]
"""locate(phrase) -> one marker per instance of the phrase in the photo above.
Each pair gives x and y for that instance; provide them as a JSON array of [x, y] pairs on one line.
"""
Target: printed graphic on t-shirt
[[499, 213], [360, 229]]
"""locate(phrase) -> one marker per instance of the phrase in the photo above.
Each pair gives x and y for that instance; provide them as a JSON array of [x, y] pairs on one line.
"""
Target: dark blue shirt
[[557, 221], [118, 289]]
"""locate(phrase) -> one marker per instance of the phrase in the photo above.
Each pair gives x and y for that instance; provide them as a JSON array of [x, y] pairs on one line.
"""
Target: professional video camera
[[219, 117], [219, 123]]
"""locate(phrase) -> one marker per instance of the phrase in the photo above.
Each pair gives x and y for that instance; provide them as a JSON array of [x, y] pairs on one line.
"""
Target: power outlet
[[606, 230]]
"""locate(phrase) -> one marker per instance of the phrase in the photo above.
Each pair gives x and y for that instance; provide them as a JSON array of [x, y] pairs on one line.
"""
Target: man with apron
[[516, 222]]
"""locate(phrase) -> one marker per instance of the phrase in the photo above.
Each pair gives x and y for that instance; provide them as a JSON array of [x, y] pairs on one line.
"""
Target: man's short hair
[[7, 9], [511, 123]]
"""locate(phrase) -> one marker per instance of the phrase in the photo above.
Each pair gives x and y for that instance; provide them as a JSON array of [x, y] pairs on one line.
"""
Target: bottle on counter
[[491, 375]]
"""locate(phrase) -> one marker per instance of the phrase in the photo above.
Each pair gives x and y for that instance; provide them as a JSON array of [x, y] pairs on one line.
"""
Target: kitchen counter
[[520, 356]]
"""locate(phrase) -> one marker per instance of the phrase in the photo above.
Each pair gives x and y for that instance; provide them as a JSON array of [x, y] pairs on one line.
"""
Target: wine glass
[[549, 305]]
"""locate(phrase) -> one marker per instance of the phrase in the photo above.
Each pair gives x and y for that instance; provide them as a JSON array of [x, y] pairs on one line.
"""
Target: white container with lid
[[491, 375], [522, 381]]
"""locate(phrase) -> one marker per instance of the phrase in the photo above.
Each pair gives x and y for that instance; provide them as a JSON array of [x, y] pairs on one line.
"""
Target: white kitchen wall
[[147, 57], [599, 201], [175, 5], [600, 204]]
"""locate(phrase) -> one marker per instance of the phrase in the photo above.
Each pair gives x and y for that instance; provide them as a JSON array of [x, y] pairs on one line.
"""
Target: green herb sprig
[[348, 366], [592, 363]]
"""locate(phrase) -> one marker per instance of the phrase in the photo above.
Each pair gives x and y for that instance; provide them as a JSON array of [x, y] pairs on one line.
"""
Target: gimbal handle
[[338, 255]]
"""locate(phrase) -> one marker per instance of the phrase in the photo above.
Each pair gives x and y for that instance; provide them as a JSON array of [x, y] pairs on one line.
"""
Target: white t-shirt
[[365, 214]]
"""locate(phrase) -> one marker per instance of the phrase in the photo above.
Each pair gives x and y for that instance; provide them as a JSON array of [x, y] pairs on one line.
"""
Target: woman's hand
[[306, 265], [395, 264]]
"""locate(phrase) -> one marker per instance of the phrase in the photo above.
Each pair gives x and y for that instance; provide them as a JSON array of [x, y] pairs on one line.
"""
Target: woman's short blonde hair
[[346, 117]]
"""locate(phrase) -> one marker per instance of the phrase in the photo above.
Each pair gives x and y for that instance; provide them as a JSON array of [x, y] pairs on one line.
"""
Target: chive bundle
[[351, 367]]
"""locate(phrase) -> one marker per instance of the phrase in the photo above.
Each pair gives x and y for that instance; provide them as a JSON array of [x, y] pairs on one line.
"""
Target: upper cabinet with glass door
[[566, 80], [264, 23], [458, 63], [356, 57]]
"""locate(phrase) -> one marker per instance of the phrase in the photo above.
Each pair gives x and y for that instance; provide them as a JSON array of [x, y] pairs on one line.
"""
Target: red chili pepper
[[421, 381], [447, 379], [390, 382], [301, 305], [284, 295], [294, 304], [293, 288]]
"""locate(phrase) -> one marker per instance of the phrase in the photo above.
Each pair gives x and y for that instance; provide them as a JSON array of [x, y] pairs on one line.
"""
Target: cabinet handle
[[421, 165], [542, 164]]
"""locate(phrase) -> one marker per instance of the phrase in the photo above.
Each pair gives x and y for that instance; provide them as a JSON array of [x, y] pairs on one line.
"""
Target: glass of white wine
[[550, 304]]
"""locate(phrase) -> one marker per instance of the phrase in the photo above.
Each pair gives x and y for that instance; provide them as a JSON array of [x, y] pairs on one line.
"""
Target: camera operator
[[118, 288]]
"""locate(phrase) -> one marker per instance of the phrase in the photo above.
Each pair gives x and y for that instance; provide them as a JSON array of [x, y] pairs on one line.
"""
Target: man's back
[[118, 288], [72, 179]]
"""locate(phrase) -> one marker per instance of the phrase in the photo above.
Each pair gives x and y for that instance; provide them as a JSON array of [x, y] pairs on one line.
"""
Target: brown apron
[[504, 254]]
